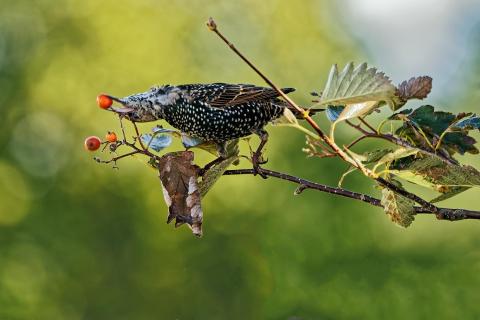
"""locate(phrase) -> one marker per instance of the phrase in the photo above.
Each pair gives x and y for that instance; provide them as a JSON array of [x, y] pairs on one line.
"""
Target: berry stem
[[138, 136]]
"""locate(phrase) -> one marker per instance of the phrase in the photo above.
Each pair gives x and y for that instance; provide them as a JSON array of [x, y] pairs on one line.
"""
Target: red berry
[[111, 137], [104, 101], [92, 143]]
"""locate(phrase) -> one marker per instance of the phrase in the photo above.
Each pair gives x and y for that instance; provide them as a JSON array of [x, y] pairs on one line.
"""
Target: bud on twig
[[212, 26]]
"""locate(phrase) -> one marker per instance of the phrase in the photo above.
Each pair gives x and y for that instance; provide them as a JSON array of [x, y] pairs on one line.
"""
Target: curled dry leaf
[[179, 177], [415, 88]]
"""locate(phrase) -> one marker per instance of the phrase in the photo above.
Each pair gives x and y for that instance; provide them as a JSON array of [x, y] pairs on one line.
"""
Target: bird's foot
[[258, 160]]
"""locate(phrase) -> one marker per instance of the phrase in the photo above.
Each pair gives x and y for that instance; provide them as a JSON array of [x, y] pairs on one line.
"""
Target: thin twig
[[362, 120], [445, 213], [358, 127], [122, 128], [213, 27], [354, 142], [398, 141], [115, 159], [138, 138]]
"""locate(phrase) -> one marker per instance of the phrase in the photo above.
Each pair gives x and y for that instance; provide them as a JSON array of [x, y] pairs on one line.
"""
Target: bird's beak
[[123, 109]]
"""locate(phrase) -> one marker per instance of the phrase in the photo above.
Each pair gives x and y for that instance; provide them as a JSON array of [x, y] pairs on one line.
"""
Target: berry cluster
[[93, 143]]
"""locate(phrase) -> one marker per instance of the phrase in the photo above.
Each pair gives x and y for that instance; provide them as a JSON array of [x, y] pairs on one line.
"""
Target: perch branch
[[441, 213], [444, 213]]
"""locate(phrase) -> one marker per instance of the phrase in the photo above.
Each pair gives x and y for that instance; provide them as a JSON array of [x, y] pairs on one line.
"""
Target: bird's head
[[141, 107]]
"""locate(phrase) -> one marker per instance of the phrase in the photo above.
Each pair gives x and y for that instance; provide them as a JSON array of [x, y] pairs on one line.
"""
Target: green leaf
[[426, 117], [434, 173], [357, 110], [375, 155], [424, 123], [399, 153], [358, 85], [398, 208], [451, 192], [446, 174], [413, 177], [211, 176]]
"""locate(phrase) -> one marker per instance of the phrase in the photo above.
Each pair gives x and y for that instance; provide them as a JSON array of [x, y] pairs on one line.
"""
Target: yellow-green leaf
[[434, 173], [398, 208], [211, 176], [357, 110], [357, 85], [399, 153], [288, 117]]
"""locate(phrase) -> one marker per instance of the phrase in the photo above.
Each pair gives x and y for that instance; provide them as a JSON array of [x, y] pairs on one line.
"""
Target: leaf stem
[[398, 141], [362, 120], [299, 127]]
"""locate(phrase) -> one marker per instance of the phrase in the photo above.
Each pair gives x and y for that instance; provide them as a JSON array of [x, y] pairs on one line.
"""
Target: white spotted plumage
[[215, 112]]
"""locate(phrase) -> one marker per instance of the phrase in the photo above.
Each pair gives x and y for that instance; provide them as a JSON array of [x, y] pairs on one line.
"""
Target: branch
[[443, 213], [425, 204], [213, 27]]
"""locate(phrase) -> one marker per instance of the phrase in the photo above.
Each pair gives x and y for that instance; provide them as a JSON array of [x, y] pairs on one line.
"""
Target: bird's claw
[[257, 161]]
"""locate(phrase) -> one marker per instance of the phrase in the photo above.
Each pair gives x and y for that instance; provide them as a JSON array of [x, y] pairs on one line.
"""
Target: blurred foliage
[[79, 241]]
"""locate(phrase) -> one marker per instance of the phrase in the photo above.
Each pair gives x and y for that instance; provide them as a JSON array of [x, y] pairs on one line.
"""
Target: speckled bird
[[217, 112]]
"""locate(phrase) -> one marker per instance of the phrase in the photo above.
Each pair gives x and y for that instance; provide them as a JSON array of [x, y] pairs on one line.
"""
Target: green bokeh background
[[79, 240]]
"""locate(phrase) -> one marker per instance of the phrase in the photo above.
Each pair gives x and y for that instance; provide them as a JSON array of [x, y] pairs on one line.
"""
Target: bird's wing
[[221, 95]]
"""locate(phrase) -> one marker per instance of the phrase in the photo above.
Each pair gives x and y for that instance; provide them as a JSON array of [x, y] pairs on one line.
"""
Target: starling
[[217, 112]]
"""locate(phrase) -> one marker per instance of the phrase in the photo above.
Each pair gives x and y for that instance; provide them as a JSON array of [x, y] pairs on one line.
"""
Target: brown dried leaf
[[178, 176], [415, 88]]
